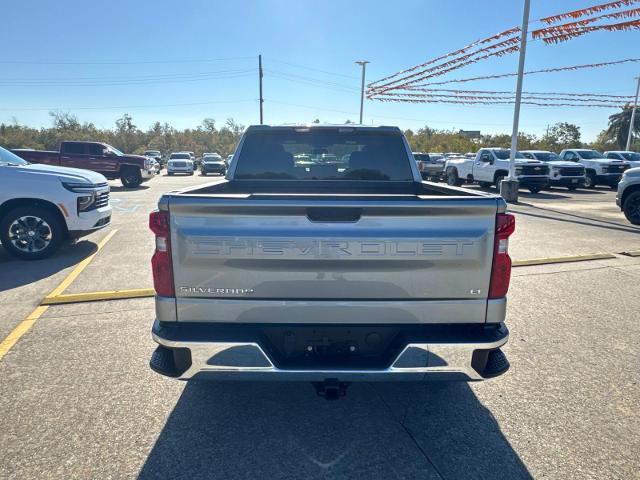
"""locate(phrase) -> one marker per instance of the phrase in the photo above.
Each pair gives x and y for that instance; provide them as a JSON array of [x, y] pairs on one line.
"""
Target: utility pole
[[633, 117], [363, 64], [260, 81], [509, 187]]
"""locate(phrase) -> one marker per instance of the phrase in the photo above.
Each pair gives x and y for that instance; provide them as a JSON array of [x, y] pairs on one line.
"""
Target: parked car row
[[185, 162], [534, 169]]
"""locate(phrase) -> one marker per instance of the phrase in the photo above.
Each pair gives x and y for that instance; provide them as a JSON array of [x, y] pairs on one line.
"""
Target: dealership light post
[[509, 186], [363, 64], [633, 117]]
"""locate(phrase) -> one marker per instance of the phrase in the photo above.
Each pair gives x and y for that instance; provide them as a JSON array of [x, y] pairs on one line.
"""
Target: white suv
[[599, 170], [43, 205]]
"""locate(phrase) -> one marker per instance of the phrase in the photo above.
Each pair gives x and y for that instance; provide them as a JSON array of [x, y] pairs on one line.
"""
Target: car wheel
[[498, 181], [590, 180], [452, 178], [131, 177], [534, 189], [31, 233], [631, 208]]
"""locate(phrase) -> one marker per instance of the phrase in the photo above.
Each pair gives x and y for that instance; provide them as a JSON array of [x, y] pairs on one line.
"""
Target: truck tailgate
[[355, 260]]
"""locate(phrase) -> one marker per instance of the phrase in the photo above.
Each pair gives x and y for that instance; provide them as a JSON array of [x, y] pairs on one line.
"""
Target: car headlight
[[78, 187], [85, 202], [518, 170]]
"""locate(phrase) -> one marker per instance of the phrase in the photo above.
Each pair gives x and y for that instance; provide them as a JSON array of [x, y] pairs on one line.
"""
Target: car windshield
[[590, 154], [10, 159], [631, 156], [546, 156], [421, 157], [324, 154], [115, 150], [180, 156], [211, 158], [505, 154]]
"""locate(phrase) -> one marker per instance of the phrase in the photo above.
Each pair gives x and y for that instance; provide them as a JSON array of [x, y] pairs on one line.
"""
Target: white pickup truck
[[599, 170], [491, 165], [42, 205], [296, 270], [562, 173]]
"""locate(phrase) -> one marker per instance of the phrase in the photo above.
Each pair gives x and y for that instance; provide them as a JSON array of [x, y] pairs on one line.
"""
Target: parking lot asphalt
[[79, 401]]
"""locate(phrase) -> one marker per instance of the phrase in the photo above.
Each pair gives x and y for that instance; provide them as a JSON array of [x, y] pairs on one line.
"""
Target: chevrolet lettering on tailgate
[[249, 247]]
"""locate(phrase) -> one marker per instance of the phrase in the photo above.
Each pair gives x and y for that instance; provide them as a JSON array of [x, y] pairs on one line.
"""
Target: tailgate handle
[[323, 214]]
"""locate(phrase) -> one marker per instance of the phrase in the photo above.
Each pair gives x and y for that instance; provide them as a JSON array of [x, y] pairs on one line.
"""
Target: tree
[[619, 126], [560, 136]]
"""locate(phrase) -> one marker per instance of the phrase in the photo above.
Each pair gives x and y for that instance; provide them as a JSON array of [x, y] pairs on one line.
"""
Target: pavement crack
[[407, 431]]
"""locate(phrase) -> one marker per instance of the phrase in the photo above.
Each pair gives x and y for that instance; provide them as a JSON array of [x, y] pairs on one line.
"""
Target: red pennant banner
[[506, 92], [423, 77], [588, 11], [493, 38], [546, 70], [483, 102], [631, 25], [563, 28]]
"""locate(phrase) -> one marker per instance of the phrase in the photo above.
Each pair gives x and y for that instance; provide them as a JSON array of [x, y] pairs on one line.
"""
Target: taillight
[[161, 260], [501, 269]]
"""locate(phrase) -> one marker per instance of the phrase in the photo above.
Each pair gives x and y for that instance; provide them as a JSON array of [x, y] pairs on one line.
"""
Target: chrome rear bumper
[[467, 358]]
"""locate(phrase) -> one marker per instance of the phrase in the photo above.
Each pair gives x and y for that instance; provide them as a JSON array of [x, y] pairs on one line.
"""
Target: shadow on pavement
[[283, 430], [15, 273], [543, 195], [582, 220], [120, 188]]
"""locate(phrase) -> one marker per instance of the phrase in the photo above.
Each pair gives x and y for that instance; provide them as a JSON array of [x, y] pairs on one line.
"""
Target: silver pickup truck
[[329, 272]]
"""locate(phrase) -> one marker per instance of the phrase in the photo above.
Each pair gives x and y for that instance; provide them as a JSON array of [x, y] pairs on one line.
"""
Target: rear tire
[[590, 180], [32, 232], [452, 178], [631, 208], [534, 189], [130, 177], [498, 180]]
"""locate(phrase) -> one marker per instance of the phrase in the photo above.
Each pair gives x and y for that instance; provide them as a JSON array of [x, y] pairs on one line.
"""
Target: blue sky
[[143, 58]]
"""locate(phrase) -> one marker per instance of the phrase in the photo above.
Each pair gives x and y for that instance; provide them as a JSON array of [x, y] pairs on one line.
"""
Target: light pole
[[509, 187], [363, 64], [633, 117]]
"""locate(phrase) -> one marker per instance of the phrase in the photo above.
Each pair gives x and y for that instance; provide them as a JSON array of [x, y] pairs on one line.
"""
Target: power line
[[302, 78], [133, 62], [313, 69], [125, 107], [132, 81]]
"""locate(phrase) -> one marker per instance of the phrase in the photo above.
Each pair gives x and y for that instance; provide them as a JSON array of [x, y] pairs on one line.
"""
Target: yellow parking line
[[98, 296], [568, 259], [22, 328], [25, 325], [80, 267]]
